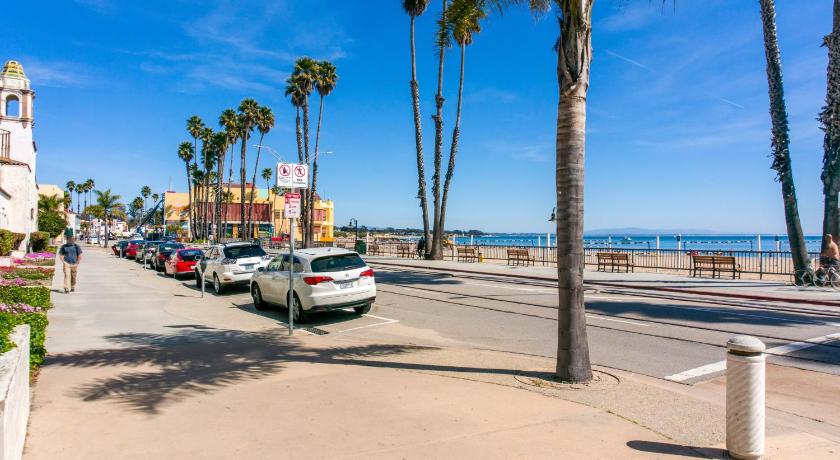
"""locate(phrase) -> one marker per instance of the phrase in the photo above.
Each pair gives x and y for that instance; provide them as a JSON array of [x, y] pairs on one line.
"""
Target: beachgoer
[[421, 247], [71, 255], [830, 256]]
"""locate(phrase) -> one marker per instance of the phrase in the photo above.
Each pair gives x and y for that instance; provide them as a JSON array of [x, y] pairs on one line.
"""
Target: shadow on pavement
[[194, 361], [664, 448]]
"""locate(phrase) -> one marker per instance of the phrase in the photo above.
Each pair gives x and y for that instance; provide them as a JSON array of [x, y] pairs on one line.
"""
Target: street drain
[[545, 379], [315, 330]]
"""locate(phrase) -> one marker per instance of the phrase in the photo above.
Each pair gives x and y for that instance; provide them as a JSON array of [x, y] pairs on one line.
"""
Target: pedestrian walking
[[71, 255], [421, 247]]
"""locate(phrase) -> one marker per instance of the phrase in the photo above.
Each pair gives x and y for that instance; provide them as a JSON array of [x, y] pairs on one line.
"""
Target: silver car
[[324, 279], [230, 264]]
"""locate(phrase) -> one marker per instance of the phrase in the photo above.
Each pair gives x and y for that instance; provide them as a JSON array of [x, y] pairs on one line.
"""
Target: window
[[12, 106], [298, 268], [189, 254], [238, 252], [337, 263], [274, 265]]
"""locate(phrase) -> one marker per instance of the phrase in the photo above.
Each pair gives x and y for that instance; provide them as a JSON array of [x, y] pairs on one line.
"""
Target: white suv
[[324, 279], [230, 264]]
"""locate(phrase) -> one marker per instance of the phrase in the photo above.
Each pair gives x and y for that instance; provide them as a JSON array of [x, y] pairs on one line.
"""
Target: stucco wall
[[14, 395]]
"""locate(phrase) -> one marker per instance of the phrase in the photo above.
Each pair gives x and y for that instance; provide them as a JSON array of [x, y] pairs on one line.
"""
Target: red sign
[[292, 208]]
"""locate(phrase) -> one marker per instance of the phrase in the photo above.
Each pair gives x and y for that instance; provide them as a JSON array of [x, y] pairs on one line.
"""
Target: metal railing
[[755, 262]]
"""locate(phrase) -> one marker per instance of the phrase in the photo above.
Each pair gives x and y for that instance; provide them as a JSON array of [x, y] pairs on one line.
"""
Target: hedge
[[9, 241], [39, 240], [37, 296], [37, 334]]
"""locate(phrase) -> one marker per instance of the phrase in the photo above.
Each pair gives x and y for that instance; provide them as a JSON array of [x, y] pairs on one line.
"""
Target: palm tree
[[295, 93], [208, 160], [830, 121], [109, 204], [442, 44], [306, 74], [462, 21], [248, 109], [230, 123], [780, 143], [67, 200], [88, 188], [195, 126], [264, 122], [324, 84], [276, 190], [186, 154], [415, 8], [50, 203], [219, 143], [80, 188], [145, 192], [71, 187]]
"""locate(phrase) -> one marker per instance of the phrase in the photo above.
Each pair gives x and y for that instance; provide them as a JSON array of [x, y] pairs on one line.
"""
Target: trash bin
[[361, 247]]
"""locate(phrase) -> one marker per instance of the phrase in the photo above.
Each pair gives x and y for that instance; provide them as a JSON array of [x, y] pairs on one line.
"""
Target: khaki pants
[[70, 276]]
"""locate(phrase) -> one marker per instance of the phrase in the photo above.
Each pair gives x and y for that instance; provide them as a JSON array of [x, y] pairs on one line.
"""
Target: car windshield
[[337, 263], [190, 254], [239, 252], [170, 246]]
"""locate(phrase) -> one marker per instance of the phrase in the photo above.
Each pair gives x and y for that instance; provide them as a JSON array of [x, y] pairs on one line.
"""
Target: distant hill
[[628, 231]]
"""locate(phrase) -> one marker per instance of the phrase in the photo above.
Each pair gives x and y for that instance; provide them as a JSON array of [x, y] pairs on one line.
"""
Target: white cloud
[[490, 94], [61, 74], [627, 60]]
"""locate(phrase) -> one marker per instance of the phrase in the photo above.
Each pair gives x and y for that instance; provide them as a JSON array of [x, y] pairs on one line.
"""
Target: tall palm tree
[[442, 44], [219, 143], [248, 109], [195, 126], [71, 187], [208, 161], [155, 198], [295, 93], [186, 154], [276, 190], [830, 121], [88, 188], [80, 188], [264, 122], [462, 21], [780, 143], [306, 74], [266, 175], [230, 123], [415, 8], [109, 204], [145, 192], [325, 82]]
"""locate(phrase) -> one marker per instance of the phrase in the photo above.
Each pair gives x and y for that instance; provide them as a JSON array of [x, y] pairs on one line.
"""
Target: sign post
[[292, 176]]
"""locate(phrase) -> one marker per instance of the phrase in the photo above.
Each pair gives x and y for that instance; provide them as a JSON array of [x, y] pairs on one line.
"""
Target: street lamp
[[355, 222]]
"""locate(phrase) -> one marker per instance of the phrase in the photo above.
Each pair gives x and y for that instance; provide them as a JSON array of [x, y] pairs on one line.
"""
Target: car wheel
[[300, 315], [259, 303], [218, 288], [363, 309]]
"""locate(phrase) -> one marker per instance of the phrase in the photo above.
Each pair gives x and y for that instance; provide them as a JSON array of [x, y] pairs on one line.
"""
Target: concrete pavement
[[139, 366]]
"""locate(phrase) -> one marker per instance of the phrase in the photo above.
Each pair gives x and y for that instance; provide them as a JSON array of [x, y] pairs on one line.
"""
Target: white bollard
[[745, 397]]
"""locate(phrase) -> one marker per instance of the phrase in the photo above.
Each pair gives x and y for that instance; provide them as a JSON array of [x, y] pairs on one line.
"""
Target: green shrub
[[37, 296], [6, 240], [51, 222], [37, 334], [40, 241]]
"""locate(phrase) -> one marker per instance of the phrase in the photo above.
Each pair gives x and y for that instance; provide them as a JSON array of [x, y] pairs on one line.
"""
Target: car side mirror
[[261, 269]]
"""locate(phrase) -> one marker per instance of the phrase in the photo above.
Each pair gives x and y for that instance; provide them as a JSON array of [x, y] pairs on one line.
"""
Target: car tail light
[[227, 261], [368, 272], [313, 280]]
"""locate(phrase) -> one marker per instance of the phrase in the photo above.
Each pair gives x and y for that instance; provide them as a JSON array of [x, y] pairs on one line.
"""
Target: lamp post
[[354, 222]]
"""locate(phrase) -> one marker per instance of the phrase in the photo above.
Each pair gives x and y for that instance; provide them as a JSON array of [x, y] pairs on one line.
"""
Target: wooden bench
[[467, 255], [715, 264], [519, 257], [404, 250], [615, 260]]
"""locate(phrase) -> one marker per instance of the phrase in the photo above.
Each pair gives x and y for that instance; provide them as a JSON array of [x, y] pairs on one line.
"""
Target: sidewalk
[[737, 288], [141, 367]]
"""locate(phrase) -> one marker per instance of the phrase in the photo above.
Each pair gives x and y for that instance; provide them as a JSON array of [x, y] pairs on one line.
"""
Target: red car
[[130, 251], [182, 262]]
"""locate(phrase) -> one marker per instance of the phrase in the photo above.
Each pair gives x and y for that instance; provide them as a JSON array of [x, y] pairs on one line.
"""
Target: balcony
[[5, 143]]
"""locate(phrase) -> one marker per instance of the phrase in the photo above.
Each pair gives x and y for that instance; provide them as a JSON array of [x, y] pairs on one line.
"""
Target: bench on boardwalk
[[615, 260], [404, 250], [467, 255], [519, 257], [714, 264]]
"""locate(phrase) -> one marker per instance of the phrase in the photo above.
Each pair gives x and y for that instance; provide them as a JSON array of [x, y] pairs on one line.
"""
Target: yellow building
[[267, 213]]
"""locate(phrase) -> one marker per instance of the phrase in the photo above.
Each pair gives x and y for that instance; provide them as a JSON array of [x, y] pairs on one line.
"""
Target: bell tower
[[16, 114]]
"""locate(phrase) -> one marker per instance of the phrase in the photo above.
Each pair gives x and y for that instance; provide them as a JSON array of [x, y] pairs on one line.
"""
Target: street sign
[[292, 208], [300, 176], [284, 174]]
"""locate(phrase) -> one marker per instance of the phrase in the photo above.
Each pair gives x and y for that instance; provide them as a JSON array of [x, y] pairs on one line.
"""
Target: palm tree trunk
[[438, 118], [194, 209], [418, 141], [217, 213], [307, 205], [830, 120], [574, 55], [228, 200], [254, 180], [189, 193], [242, 229], [456, 133], [781, 140], [314, 189]]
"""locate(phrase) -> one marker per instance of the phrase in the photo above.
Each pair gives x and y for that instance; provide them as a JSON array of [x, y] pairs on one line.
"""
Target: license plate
[[345, 285], [248, 266]]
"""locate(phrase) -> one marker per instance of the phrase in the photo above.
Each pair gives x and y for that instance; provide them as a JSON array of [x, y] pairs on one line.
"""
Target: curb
[[828, 303]]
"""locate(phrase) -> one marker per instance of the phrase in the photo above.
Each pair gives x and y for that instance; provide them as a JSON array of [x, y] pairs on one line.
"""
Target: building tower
[[18, 191]]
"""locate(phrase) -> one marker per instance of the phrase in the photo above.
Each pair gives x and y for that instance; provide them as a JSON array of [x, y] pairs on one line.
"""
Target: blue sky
[[678, 131]]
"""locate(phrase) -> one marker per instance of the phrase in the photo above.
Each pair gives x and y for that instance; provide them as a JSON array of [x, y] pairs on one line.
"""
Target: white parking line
[[606, 318], [511, 287], [780, 350]]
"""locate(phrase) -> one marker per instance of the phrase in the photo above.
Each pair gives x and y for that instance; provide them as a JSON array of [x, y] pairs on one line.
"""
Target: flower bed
[[15, 314], [27, 273], [36, 296]]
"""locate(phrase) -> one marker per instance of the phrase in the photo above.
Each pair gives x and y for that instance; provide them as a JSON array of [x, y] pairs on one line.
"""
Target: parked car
[[93, 240], [231, 264], [324, 279], [131, 248], [148, 254], [182, 262], [161, 252]]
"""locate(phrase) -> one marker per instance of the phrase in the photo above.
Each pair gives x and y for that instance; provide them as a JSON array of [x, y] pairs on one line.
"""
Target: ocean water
[[689, 242]]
